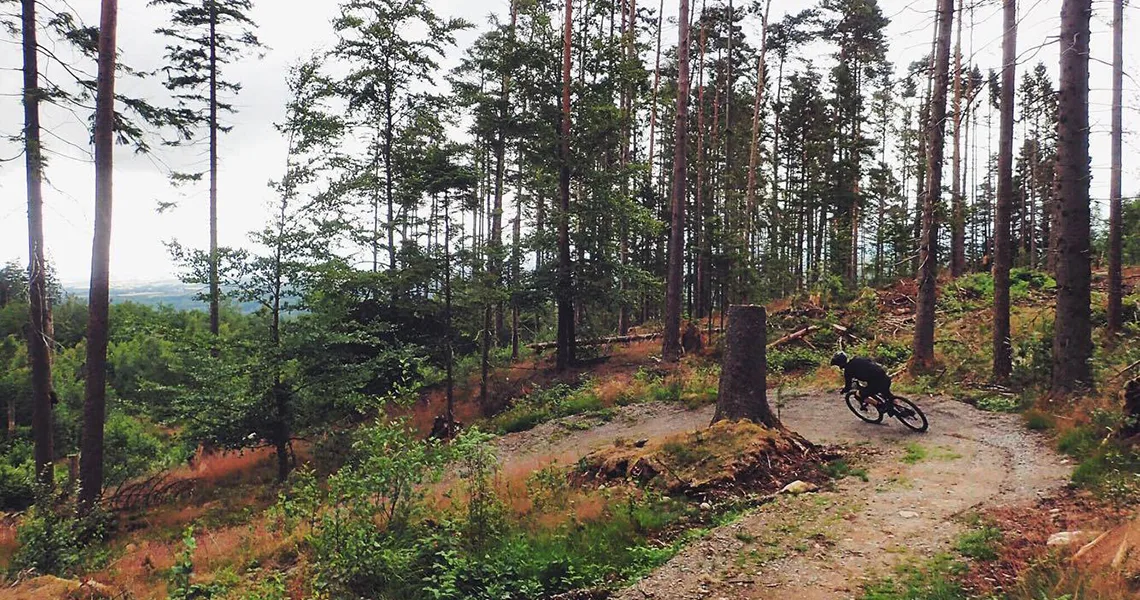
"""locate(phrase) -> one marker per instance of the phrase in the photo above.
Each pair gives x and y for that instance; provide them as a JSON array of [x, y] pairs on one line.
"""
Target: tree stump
[[691, 341], [1131, 395], [744, 372]]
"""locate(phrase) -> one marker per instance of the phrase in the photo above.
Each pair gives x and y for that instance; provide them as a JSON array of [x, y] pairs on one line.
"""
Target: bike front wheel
[[866, 411], [910, 415]]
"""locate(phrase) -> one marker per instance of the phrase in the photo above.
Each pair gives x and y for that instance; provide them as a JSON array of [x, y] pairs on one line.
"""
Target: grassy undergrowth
[[693, 386]]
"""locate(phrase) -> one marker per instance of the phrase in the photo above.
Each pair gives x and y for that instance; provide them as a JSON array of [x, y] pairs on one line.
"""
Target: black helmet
[[839, 360]]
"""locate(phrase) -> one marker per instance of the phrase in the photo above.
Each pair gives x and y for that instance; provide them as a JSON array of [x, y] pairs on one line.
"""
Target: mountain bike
[[871, 409]]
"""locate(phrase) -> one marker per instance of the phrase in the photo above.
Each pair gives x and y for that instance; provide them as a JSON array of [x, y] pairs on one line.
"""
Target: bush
[[17, 476], [48, 542], [179, 584], [782, 360], [980, 544], [129, 450]]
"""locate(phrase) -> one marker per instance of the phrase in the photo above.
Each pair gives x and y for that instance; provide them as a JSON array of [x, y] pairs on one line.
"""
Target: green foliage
[[840, 468], [979, 544], [999, 404], [915, 453], [17, 475], [1039, 421], [934, 580], [541, 405], [891, 353], [1033, 356], [47, 544], [794, 358], [1107, 466], [179, 580]]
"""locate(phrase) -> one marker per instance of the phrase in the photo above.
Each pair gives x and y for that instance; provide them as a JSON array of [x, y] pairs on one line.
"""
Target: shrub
[[1002, 404], [129, 449], [48, 542], [979, 544], [179, 585], [782, 360]]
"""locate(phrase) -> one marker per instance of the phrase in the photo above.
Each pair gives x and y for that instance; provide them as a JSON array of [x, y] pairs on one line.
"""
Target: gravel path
[[824, 545]]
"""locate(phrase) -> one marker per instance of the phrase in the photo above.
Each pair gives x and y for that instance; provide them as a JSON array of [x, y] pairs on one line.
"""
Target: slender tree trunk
[[95, 398], [389, 133], [1072, 330], [958, 219], [656, 85], [671, 346], [1115, 225], [923, 353], [39, 309], [1003, 250], [700, 280], [215, 289], [565, 290], [449, 343], [758, 102]]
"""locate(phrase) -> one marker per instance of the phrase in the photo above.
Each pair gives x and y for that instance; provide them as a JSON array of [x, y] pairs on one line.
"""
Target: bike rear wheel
[[910, 415], [866, 411]]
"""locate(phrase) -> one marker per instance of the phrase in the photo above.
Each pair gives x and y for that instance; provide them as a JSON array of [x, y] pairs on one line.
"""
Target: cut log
[[794, 336]]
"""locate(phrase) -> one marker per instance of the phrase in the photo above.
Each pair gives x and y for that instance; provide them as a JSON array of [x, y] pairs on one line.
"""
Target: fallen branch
[[1127, 369], [617, 339], [794, 336]]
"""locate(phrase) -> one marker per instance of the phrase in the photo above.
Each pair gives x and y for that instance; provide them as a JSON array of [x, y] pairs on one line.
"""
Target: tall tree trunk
[[754, 148], [215, 289], [565, 290], [700, 281], [1003, 244], [1115, 225], [39, 308], [958, 218], [656, 85], [923, 353], [95, 398], [449, 345], [1072, 333], [671, 346]]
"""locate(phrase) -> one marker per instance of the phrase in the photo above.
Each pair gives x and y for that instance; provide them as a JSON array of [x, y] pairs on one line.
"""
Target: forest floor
[[919, 494]]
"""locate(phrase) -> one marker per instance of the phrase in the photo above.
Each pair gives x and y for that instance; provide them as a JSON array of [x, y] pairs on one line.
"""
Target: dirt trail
[[823, 546]]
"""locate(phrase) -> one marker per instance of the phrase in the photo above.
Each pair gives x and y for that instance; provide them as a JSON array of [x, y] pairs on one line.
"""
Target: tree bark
[[1003, 251], [923, 352], [1115, 225], [95, 399], [754, 147], [700, 280], [958, 218], [565, 291], [39, 309], [1072, 336], [671, 346], [744, 374], [215, 289]]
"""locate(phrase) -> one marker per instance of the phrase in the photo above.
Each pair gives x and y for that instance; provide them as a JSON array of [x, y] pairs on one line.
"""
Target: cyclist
[[878, 383]]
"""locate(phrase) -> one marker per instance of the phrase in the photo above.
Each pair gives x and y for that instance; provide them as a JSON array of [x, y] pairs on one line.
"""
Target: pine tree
[[1072, 329], [671, 346], [1115, 225], [1002, 248], [95, 396], [923, 352], [206, 35]]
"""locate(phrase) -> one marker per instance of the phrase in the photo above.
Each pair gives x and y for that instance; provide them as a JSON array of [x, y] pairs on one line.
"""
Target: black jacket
[[868, 372]]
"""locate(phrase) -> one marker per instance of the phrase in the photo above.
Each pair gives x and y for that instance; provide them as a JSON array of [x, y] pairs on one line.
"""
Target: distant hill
[[170, 293]]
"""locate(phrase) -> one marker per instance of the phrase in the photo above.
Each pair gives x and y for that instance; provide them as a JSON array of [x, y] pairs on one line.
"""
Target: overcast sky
[[292, 29]]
